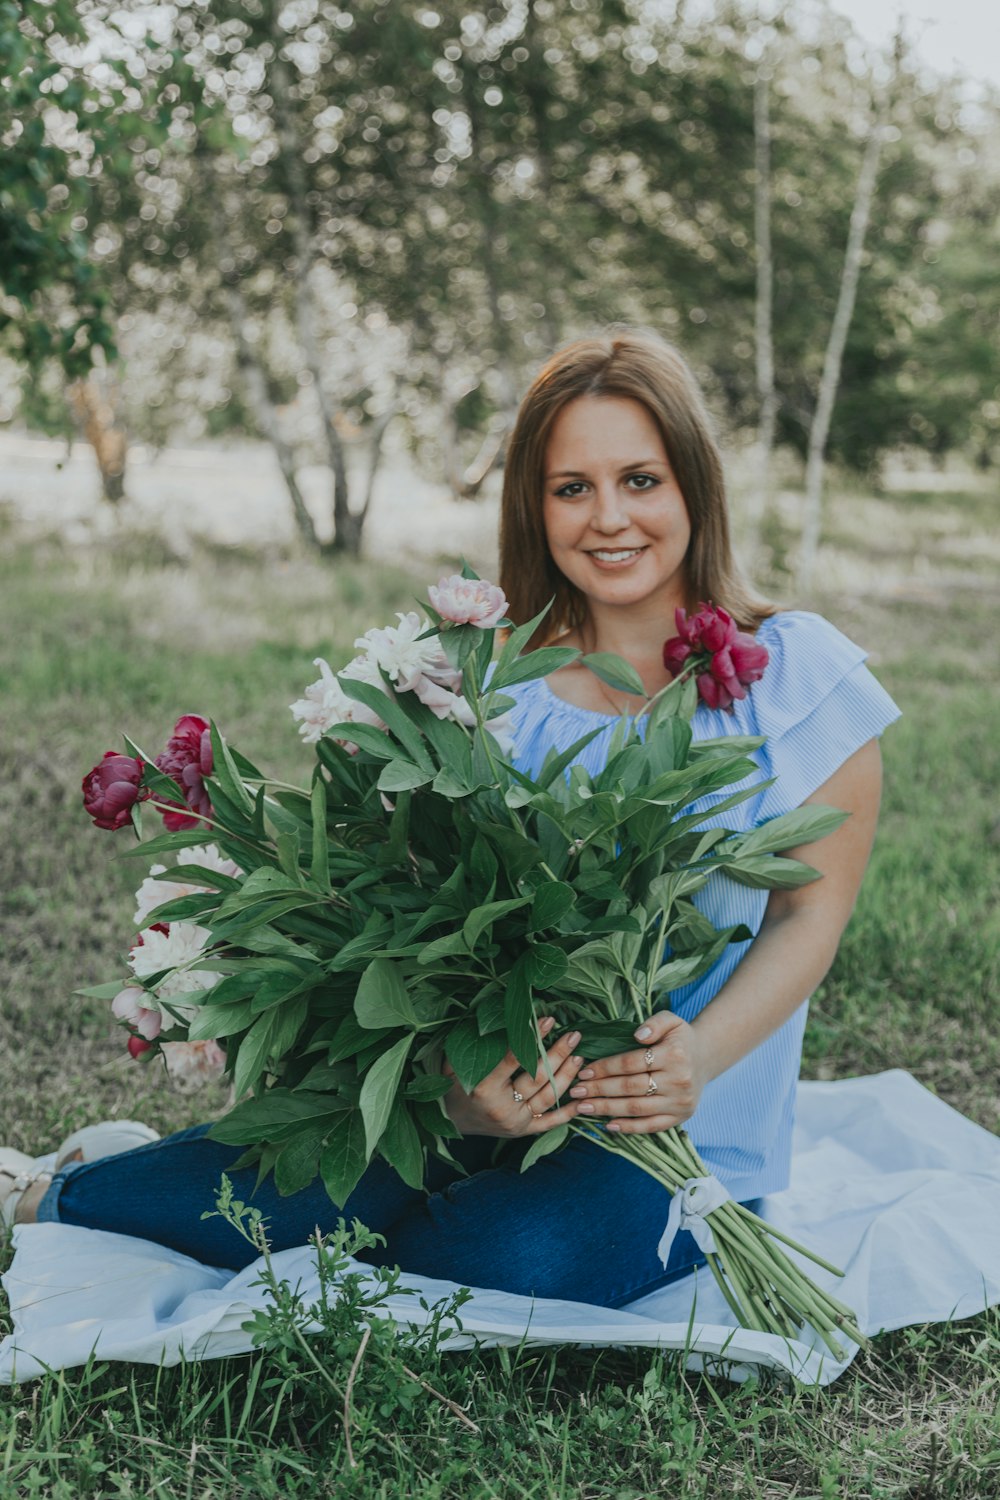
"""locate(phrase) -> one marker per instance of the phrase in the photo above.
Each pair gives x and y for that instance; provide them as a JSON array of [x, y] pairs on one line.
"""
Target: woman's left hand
[[618, 1087]]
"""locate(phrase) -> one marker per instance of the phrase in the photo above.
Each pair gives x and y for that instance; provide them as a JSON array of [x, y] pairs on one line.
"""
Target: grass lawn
[[91, 644]]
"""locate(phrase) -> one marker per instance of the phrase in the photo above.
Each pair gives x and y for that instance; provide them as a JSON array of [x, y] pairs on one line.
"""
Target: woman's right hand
[[491, 1108]]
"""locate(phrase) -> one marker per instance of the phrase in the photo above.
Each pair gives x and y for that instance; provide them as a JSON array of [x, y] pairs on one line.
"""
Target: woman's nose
[[610, 510]]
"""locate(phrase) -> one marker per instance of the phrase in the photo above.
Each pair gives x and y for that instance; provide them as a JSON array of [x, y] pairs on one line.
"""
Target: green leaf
[[378, 1091], [225, 773], [382, 998], [545, 965], [483, 917], [449, 946], [447, 784], [198, 875], [320, 867], [289, 1019], [517, 853], [213, 1021], [253, 1053], [351, 1038], [473, 1056], [542, 1145], [403, 776], [428, 1086], [373, 741], [616, 672], [431, 1115], [458, 642], [166, 843], [102, 991], [298, 1162], [766, 872], [803, 825], [344, 1158], [400, 1145], [288, 847], [550, 904], [536, 664], [519, 638], [519, 1014], [604, 1038], [390, 711], [183, 909]]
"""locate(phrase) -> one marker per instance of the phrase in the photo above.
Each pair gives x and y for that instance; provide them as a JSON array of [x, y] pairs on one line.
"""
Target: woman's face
[[615, 519]]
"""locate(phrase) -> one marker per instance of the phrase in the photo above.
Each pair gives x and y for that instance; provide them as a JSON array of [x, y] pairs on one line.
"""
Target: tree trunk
[[94, 402], [759, 506], [255, 382], [819, 429], [347, 526], [494, 443], [252, 371]]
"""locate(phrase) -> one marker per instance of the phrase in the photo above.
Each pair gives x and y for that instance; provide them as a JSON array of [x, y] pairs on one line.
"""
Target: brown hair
[[639, 364]]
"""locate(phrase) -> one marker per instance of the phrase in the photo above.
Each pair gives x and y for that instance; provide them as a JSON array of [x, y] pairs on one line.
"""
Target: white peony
[[183, 944], [396, 650], [325, 703], [153, 893]]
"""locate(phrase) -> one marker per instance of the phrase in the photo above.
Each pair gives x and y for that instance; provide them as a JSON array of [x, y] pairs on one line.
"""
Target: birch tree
[[764, 305], [819, 430]]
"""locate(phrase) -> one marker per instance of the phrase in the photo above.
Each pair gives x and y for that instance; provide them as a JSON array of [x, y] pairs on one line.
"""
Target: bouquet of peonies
[[423, 899]]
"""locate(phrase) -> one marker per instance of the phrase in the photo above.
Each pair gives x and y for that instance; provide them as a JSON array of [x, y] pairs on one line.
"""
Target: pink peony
[[187, 760], [728, 660], [191, 1064], [468, 601], [129, 1006], [112, 789]]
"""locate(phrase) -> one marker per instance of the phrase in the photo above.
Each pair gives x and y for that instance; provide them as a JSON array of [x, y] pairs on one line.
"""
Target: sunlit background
[[276, 274]]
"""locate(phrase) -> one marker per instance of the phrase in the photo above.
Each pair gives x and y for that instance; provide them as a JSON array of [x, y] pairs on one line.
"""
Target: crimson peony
[[729, 660], [112, 789], [187, 760]]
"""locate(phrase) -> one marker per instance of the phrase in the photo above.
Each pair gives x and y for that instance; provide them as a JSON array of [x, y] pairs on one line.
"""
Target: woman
[[614, 503]]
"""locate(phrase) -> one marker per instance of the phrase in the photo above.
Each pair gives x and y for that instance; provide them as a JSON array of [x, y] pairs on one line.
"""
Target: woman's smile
[[615, 558]]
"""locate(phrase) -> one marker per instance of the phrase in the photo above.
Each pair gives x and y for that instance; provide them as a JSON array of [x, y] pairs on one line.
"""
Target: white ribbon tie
[[689, 1209]]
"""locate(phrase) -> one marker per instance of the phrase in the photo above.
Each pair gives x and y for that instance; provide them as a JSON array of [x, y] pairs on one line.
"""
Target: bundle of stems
[[765, 1289]]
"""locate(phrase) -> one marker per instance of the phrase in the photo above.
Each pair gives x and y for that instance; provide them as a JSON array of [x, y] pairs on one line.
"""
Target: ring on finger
[[648, 1057], [652, 1086], [518, 1098]]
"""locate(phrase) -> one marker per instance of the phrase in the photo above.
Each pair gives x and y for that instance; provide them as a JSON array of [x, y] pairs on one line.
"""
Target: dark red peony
[[112, 789], [728, 660], [187, 760]]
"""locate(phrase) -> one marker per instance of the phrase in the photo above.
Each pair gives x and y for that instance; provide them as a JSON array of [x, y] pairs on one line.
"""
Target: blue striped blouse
[[817, 703]]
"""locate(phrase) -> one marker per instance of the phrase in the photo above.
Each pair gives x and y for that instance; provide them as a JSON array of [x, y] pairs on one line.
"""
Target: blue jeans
[[580, 1224]]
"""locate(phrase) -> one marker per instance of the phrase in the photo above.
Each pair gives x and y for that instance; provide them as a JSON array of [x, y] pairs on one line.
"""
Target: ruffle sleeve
[[817, 703]]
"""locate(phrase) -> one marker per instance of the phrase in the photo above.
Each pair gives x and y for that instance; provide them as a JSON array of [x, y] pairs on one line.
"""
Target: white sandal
[[105, 1139], [18, 1171]]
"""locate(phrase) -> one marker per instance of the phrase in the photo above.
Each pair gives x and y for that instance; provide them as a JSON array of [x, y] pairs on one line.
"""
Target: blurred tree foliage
[[313, 220]]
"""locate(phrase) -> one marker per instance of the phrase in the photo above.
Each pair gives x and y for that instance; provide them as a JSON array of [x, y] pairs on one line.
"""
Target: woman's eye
[[570, 491]]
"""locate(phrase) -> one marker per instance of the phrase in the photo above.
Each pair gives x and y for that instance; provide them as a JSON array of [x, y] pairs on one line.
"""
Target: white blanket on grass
[[888, 1182]]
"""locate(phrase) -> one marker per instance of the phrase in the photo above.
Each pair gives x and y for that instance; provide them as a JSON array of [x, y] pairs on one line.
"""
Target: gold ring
[[652, 1085]]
